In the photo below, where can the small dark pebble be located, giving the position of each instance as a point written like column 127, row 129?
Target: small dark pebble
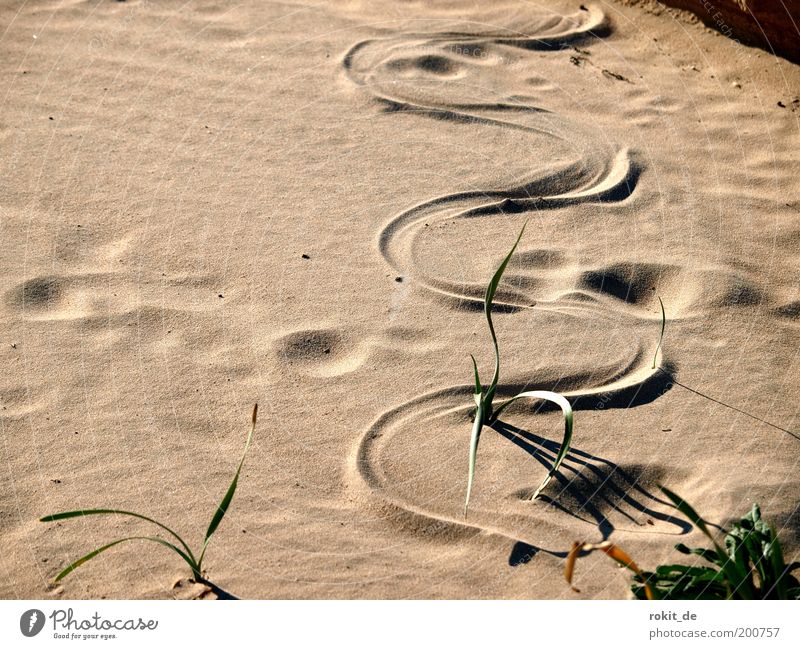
column 398, row 279
column 650, row 521
column 583, row 8
column 666, row 430
column 220, row 295
column 51, row 119
column 327, row 351
column 305, row 256
column 56, row 481
column 780, row 103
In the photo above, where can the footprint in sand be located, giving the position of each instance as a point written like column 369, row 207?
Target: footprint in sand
column 326, row 352
column 109, row 298
column 321, row 352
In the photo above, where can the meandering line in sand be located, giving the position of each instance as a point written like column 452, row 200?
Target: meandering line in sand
column 391, row 70
column 448, row 76
column 462, row 77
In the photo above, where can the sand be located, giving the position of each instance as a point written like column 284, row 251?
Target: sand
column 207, row 204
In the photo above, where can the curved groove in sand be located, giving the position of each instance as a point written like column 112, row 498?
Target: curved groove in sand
column 422, row 72
column 612, row 386
column 595, row 180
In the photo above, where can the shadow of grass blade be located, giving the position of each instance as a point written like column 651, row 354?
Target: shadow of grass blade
column 223, row 506
column 661, row 335
column 91, row 555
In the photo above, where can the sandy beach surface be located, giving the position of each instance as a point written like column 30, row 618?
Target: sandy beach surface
column 208, row 204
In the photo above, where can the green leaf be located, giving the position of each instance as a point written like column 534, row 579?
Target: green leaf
column 478, row 389
column 733, row 572
column 708, row 555
column 222, row 509
column 94, row 512
column 687, row 510
column 779, row 568
column 94, row 553
column 566, row 409
column 477, row 426
column 484, row 402
column 491, row 289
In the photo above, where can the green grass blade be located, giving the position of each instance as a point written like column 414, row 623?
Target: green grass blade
column 661, row 336
column 477, row 426
column 687, row 510
column 222, row 509
column 735, row 575
column 94, row 553
column 95, row 512
column 478, row 389
column 566, row 409
column 491, row 289
column 774, row 554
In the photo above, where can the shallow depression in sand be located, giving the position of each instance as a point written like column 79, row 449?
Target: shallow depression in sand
column 321, row 352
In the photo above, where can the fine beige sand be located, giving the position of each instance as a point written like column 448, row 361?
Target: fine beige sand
column 208, row 204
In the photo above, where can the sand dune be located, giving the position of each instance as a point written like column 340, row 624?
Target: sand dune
column 300, row 204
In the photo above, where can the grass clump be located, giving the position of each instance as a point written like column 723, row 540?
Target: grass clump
column 487, row 413
column 749, row 564
column 176, row 544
